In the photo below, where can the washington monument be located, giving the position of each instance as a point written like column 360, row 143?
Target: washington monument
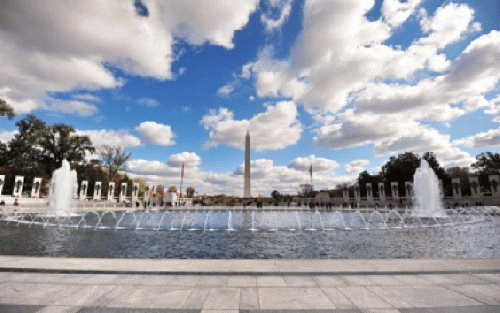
column 246, row 190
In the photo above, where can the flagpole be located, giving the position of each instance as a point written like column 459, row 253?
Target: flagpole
column 311, row 172
column 182, row 180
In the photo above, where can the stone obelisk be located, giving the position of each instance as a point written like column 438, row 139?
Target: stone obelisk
column 246, row 190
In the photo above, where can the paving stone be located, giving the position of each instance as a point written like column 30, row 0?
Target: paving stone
column 30, row 293
column 271, row 281
column 172, row 297
column 430, row 296
column 153, row 280
column 362, row 297
column 383, row 280
column 104, row 279
column 303, row 311
column 242, row 281
column 328, row 281
column 489, row 277
column 411, row 280
column 82, row 295
column 299, row 281
column 223, row 299
column 132, row 310
column 358, row 280
column 108, row 297
column 29, row 277
column 380, row 311
column 197, row 298
column 438, row 279
column 486, row 294
column 469, row 309
column 294, row 298
column 184, row 280
column 14, row 308
column 467, row 279
column 5, row 277
column 213, row 280
column 249, row 298
column 388, row 297
column 338, row 298
column 59, row 309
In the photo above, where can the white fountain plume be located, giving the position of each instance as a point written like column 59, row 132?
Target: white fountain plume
column 428, row 198
column 63, row 188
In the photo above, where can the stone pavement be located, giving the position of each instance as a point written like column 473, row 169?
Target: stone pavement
column 471, row 288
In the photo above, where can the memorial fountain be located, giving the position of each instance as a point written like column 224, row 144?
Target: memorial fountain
column 63, row 190
column 190, row 226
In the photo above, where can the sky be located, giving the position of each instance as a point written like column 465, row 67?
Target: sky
column 341, row 85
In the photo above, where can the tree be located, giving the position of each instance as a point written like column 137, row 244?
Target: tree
column 276, row 195
column 24, row 150
column 306, row 190
column 402, row 169
column 41, row 147
column 114, row 158
column 141, row 182
column 92, row 174
column 462, row 173
column 160, row 189
column 6, row 109
column 488, row 163
column 172, row 189
column 365, row 178
column 190, row 192
column 60, row 143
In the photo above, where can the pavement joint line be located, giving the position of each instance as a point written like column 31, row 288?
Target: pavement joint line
column 236, row 273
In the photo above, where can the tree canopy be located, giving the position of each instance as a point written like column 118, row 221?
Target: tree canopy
column 488, row 163
column 6, row 110
column 400, row 169
column 42, row 147
column 114, row 158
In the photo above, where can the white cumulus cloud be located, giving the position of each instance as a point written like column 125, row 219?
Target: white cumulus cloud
column 39, row 58
column 274, row 129
column 318, row 164
column 356, row 166
column 489, row 138
column 115, row 138
column 148, row 102
column 189, row 159
column 156, row 133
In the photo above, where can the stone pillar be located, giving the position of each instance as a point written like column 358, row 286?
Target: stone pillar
column 111, row 191
column 409, row 190
column 97, row 191
column 381, row 191
column 18, row 186
column 455, row 184
column 345, row 195
column 369, row 192
column 123, row 192
column 135, row 192
column 494, row 183
column 146, row 195
column 2, row 183
column 357, row 197
column 394, row 191
column 475, row 189
column 35, row 190
column 83, row 190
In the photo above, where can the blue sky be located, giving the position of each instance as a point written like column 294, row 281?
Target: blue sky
column 342, row 85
